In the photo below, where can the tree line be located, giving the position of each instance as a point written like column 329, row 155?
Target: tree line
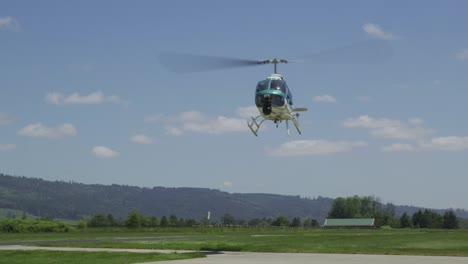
column 384, row 214
column 136, row 220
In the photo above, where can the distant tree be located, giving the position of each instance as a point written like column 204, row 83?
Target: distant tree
column 354, row 207
column 450, row 220
column 134, row 220
column 228, row 219
column 307, row 223
column 432, row 219
column 427, row 219
column 24, row 216
column 153, row 221
column 98, row 220
column 191, row 222
column 172, row 220
column 405, row 221
column 82, row 225
column 164, row 221
column 255, row 222
column 111, row 220
column 338, row 209
column 296, row 222
column 417, row 218
column 314, row 223
column 181, row 222
column 280, row 221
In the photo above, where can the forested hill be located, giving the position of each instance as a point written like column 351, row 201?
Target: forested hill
column 70, row 200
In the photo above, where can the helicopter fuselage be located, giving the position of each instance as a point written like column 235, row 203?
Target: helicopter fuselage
column 273, row 98
column 274, row 102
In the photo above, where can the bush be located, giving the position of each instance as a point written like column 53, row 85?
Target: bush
column 82, row 225
column 32, row 226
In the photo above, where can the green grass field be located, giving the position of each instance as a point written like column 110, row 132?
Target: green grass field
column 51, row 257
column 396, row 241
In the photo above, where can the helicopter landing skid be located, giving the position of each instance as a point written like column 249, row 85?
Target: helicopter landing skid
column 254, row 125
column 296, row 124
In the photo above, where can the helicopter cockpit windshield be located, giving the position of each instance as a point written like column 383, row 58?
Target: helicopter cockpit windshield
column 278, row 85
column 275, row 85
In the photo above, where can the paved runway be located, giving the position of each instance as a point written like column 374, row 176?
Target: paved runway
column 301, row 258
column 272, row 258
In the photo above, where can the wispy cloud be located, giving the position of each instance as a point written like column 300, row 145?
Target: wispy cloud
column 227, row 184
column 142, row 139
column 5, row 147
column 39, row 130
column 313, row 147
column 376, row 31
column 248, row 111
column 10, row 24
column 97, row 97
column 104, row 152
column 5, row 118
column 201, row 123
column 462, row 54
column 399, row 147
column 393, row 129
column 324, row 98
column 450, row 143
column 421, row 138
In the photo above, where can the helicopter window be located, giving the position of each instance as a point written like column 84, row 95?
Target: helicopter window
column 278, row 85
column 277, row 100
column 262, row 85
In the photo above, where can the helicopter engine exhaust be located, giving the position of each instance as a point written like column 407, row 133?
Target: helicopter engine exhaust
column 266, row 102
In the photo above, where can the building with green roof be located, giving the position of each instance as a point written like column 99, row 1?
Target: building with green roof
column 349, row 223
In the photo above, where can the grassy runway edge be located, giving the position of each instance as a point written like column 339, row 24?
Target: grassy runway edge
column 394, row 242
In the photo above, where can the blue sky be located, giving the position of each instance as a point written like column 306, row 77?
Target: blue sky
column 83, row 97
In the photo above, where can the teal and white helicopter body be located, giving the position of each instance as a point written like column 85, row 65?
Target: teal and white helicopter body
column 274, row 101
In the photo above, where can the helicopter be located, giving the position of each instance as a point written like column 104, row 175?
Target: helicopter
column 273, row 98
column 274, row 101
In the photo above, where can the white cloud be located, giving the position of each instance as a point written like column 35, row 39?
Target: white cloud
column 387, row 128
column 462, row 54
column 218, row 125
column 227, row 184
column 5, row 147
column 104, row 152
column 450, row 143
column 9, row 23
column 377, row 32
column 142, row 139
column 325, row 98
column 313, row 147
column 398, row 147
column 248, row 111
column 173, row 131
column 5, row 118
column 39, row 130
column 198, row 122
column 416, row 121
column 97, row 97
column 154, row 118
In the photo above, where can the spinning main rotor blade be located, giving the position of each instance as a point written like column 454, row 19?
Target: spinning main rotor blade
column 186, row 63
column 364, row 52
